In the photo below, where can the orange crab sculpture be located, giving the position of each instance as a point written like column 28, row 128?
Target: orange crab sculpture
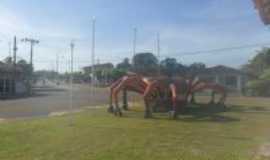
column 177, row 90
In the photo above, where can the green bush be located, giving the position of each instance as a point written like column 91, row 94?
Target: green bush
column 259, row 87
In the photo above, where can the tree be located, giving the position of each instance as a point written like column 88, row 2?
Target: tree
column 259, row 68
column 116, row 74
column 196, row 68
column 145, row 64
column 261, row 86
column 259, row 63
column 182, row 69
column 125, row 65
column 26, row 68
column 8, row 60
column 266, row 74
column 169, row 66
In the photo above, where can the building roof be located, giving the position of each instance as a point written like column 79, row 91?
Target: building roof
column 99, row 66
column 220, row 69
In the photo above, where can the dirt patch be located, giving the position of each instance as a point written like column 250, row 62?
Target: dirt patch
column 52, row 114
column 94, row 107
column 57, row 114
column 63, row 113
column 263, row 152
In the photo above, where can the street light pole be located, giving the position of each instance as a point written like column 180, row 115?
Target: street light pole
column 93, row 78
column 72, row 45
column 125, row 94
column 134, row 41
column 15, row 48
column 158, row 52
column 57, row 69
column 9, row 49
column 15, row 52
column 158, row 46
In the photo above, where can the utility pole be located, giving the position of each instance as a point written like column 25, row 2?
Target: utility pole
column 9, row 49
column 134, row 41
column 57, row 68
column 158, row 46
column 32, row 43
column 93, row 78
column 72, row 45
column 15, row 52
column 57, row 63
column 14, row 64
column 158, row 52
column 125, row 94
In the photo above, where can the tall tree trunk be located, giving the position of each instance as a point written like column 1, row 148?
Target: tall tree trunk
column 125, row 102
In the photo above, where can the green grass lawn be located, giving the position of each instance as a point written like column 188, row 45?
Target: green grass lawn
column 204, row 133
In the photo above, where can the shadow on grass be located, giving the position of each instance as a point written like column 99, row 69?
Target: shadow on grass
column 197, row 113
column 245, row 109
column 203, row 112
column 215, row 113
column 207, row 113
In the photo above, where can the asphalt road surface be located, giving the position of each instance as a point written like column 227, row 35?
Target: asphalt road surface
column 49, row 99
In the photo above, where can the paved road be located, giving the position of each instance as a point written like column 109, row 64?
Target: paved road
column 48, row 99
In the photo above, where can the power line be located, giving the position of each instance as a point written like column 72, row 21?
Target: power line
column 181, row 53
column 225, row 49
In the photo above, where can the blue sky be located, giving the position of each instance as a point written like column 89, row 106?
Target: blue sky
column 184, row 26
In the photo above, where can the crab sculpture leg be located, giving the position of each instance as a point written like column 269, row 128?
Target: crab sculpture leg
column 152, row 92
column 129, row 83
column 148, row 96
column 179, row 98
column 112, row 87
column 216, row 88
column 179, row 88
column 192, row 83
column 125, row 101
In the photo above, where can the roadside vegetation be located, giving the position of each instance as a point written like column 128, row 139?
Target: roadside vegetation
column 259, row 68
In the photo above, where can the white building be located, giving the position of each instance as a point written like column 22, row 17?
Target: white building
column 233, row 79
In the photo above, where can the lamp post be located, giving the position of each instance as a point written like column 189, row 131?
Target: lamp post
column 72, row 45
column 93, row 78
column 134, row 41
